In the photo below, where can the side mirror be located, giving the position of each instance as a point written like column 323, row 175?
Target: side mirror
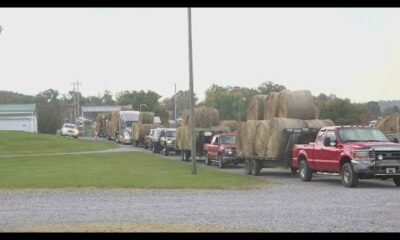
column 327, row 142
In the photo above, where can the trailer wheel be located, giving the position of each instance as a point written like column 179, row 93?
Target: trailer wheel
column 186, row 156
column 247, row 169
column 305, row 172
column 166, row 153
column 349, row 177
column 255, row 166
column 207, row 161
column 182, row 156
column 146, row 146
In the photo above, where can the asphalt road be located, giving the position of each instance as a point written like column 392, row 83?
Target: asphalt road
column 322, row 205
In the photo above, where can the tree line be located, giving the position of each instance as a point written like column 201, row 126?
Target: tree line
column 231, row 102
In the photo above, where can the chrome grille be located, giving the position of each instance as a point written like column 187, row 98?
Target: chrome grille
column 388, row 155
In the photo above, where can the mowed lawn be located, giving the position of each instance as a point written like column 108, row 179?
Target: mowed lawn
column 14, row 142
column 116, row 170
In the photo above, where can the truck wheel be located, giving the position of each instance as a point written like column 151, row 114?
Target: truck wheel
column 349, row 177
column 255, row 166
column 154, row 148
column 396, row 181
column 305, row 172
column 186, row 156
column 293, row 170
column 182, row 156
column 220, row 161
column 146, row 146
column 207, row 160
column 166, row 153
column 247, row 169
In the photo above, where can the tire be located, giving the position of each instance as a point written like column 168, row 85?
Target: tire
column 182, row 157
column 166, row 153
column 247, row 169
column 396, row 181
column 293, row 170
column 255, row 167
column 207, row 160
column 305, row 172
column 146, row 146
column 136, row 143
column 154, row 148
column 349, row 177
column 186, row 156
column 220, row 161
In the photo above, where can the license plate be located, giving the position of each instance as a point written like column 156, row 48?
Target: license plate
column 390, row 170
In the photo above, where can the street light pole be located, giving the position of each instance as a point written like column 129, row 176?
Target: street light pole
column 192, row 122
column 175, row 103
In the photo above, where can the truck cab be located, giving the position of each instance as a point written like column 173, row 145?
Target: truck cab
column 126, row 121
column 356, row 152
column 222, row 149
column 167, row 140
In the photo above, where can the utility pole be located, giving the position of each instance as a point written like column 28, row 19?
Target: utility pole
column 192, row 122
column 74, row 104
column 175, row 103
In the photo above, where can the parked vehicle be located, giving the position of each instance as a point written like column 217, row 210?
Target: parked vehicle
column 70, row 129
column 355, row 152
column 155, row 146
column 222, row 149
column 126, row 120
column 148, row 139
column 167, row 140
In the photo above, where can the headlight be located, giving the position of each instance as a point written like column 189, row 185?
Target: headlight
column 228, row 150
column 361, row 155
column 126, row 135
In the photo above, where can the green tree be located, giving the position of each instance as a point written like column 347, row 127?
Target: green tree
column 48, row 109
column 341, row 112
column 267, row 87
column 136, row 98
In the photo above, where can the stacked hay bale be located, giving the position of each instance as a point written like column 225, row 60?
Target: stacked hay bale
column 271, row 105
column 146, row 117
column 296, row 104
column 143, row 126
column 205, row 119
column 268, row 115
column 388, row 124
column 255, row 109
column 231, row 124
column 263, row 130
column 114, row 123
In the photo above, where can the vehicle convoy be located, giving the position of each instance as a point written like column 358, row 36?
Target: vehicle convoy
column 126, row 120
column 222, row 149
column 355, row 152
column 70, row 129
column 167, row 140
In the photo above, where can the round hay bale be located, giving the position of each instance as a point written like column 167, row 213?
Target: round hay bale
column 204, row 117
column 140, row 130
column 261, row 141
column 146, row 117
column 249, row 136
column 255, row 110
column 239, row 138
column 233, row 125
column 388, row 124
column 221, row 128
column 271, row 105
column 318, row 123
column 296, row 104
column 275, row 148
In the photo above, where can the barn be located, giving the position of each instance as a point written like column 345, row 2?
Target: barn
column 20, row 117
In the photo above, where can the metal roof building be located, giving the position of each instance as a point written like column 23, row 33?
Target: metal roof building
column 21, row 117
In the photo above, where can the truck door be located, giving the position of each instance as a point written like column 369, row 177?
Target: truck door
column 331, row 153
column 213, row 151
column 317, row 154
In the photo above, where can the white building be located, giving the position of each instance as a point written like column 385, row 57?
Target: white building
column 20, row 117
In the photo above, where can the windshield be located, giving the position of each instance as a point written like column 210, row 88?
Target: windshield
column 70, row 126
column 228, row 139
column 128, row 124
column 361, row 135
column 170, row 133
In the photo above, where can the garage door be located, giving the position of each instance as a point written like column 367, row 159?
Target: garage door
column 15, row 124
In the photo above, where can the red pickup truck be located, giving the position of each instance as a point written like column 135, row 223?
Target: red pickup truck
column 353, row 151
column 221, row 149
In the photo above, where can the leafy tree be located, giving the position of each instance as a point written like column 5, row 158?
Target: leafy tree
column 7, row 97
column 268, row 87
column 136, row 98
column 182, row 103
column 390, row 111
column 340, row 111
column 48, row 111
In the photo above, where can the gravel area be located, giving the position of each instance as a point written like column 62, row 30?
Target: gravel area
column 322, row 205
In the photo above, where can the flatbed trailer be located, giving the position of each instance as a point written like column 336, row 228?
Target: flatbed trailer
column 291, row 136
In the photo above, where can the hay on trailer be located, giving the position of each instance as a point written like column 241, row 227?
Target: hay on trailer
column 275, row 145
column 296, row 104
column 388, row 124
column 239, row 138
column 204, row 117
column 114, row 123
column 146, row 117
column 221, row 129
column 318, row 123
column 140, row 130
column 233, row 125
column 255, row 110
column 261, row 140
column 249, row 136
column 271, row 105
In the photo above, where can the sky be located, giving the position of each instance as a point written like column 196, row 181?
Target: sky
column 350, row 52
